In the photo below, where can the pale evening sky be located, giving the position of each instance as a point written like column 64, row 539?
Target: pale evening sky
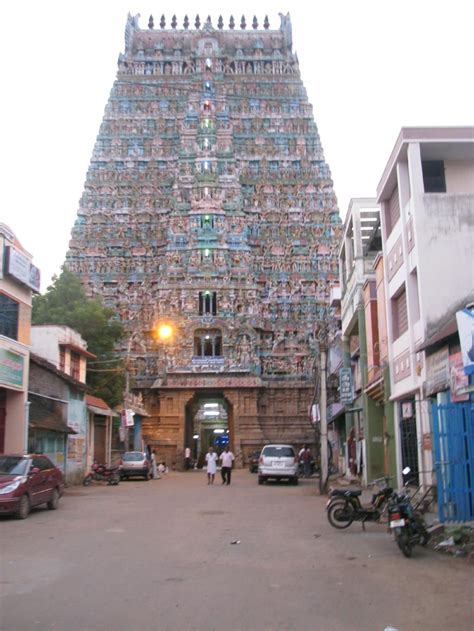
column 370, row 67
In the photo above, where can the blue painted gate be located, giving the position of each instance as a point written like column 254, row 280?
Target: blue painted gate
column 453, row 434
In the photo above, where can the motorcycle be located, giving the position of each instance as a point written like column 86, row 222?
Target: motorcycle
column 301, row 468
column 407, row 524
column 102, row 473
column 344, row 505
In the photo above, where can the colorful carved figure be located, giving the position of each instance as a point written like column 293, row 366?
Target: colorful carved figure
column 210, row 177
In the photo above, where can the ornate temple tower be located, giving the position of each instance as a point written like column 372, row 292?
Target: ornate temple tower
column 208, row 206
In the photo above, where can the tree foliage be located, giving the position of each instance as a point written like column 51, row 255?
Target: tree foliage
column 66, row 303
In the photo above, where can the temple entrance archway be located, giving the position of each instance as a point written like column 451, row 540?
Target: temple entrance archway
column 208, row 422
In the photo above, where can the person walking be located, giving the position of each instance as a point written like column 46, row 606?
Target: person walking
column 306, row 457
column 154, row 466
column 187, row 458
column 211, row 459
column 227, row 461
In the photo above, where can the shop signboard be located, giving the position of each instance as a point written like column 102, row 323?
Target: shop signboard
column 345, row 386
column 458, row 380
column 11, row 368
column 437, row 372
column 465, row 322
column 20, row 267
column 126, row 417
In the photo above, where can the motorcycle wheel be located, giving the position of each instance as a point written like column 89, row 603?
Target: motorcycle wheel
column 340, row 514
column 87, row 480
column 403, row 542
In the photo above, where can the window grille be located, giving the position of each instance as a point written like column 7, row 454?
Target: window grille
column 400, row 314
column 207, row 302
column 9, row 314
column 208, row 343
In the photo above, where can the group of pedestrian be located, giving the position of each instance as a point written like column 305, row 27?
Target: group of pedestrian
column 157, row 468
column 227, row 462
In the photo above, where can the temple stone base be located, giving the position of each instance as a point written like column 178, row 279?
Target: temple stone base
column 258, row 413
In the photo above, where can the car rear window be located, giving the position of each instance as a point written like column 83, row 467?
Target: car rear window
column 278, row 452
column 133, row 457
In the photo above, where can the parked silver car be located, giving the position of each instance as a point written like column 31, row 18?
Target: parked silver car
column 135, row 463
column 278, row 462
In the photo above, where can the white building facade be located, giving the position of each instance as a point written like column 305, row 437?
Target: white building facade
column 426, row 195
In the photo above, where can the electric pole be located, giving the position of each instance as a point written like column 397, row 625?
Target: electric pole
column 323, row 473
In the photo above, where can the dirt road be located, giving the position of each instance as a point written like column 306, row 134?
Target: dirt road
column 158, row 555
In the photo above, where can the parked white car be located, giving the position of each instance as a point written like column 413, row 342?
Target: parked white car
column 278, row 462
column 135, row 463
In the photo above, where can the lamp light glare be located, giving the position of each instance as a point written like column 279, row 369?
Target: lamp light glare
column 165, row 331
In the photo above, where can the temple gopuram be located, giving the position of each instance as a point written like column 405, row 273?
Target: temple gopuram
column 209, row 211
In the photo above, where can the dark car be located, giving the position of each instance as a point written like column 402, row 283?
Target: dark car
column 135, row 463
column 253, row 461
column 27, row 481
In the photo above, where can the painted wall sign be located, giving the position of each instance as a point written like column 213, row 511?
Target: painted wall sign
column 407, row 409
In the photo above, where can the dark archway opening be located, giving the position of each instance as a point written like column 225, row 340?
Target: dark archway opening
column 208, row 423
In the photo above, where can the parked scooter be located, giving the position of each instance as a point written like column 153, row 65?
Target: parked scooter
column 407, row 524
column 344, row 506
column 102, row 473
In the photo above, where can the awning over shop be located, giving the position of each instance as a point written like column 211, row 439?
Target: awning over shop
column 335, row 410
column 98, row 406
column 449, row 328
column 77, row 349
column 376, row 389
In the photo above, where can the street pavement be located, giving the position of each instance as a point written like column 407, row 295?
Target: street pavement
column 160, row 556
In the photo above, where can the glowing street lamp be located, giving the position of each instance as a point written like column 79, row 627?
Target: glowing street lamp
column 165, row 332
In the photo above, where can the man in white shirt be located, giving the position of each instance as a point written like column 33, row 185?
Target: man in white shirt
column 227, row 461
column 211, row 459
column 187, row 458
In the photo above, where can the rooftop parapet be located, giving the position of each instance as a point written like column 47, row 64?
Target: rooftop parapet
column 137, row 38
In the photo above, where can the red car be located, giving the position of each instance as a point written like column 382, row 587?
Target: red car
column 27, row 481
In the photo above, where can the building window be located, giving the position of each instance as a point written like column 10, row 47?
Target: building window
column 254, row 167
column 208, row 343
column 414, row 296
column 9, row 312
column 207, row 222
column 434, row 180
column 206, row 256
column 62, row 359
column 207, row 302
column 392, row 213
column 273, row 166
column 399, row 314
column 75, row 366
